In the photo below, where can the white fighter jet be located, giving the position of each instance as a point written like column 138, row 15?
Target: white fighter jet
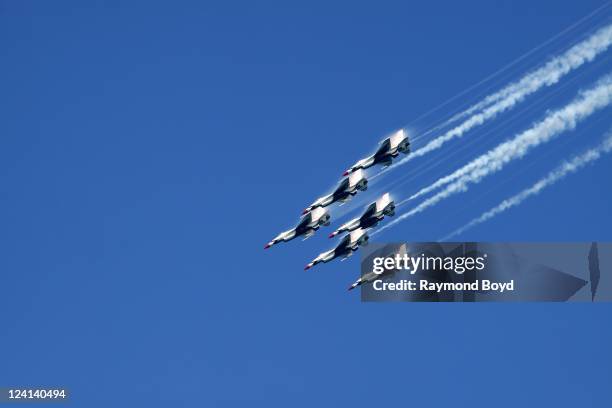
column 349, row 244
column 347, row 188
column 389, row 148
column 371, row 276
column 307, row 226
column 374, row 213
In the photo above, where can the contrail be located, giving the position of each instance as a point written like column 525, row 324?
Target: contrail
column 496, row 159
column 506, row 98
column 550, row 73
column 492, row 98
column 566, row 168
column 556, row 122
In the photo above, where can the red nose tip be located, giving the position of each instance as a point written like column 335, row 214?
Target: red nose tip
column 267, row 246
column 305, row 211
column 333, row 234
column 308, row 267
column 345, row 173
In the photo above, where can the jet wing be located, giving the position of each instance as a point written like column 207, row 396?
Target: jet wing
column 384, row 148
column 303, row 224
column 343, row 245
column 369, row 212
column 342, row 187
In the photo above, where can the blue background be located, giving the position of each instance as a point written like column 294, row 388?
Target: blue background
column 150, row 149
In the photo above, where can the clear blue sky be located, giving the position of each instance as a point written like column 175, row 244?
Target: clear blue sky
column 150, row 149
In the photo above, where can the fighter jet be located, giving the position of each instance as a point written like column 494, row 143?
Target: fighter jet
column 349, row 244
column 389, row 148
column 346, row 189
column 307, row 226
column 374, row 213
column 371, row 276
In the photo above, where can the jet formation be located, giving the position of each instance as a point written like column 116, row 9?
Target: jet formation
column 354, row 180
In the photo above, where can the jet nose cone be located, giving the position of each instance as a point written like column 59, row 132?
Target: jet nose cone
column 305, row 211
column 351, row 287
column 267, row 246
column 307, row 267
column 333, row 234
column 346, row 173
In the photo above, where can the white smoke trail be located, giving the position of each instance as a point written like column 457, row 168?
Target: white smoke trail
column 541, row 132
column 550, row 73
column 551, row 178
column 498, row 102
column 496, row 96
column 496, row 159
